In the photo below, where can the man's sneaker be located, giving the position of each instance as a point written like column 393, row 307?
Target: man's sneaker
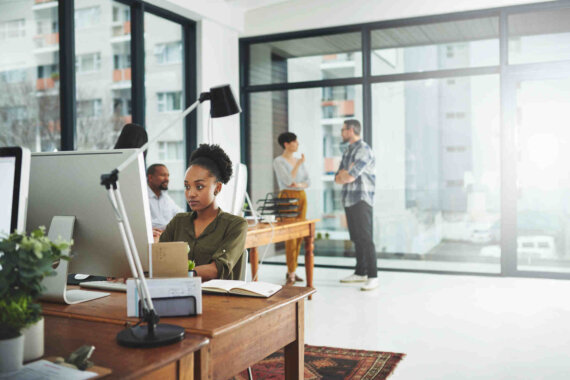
column 354, row 278
column 371, row 284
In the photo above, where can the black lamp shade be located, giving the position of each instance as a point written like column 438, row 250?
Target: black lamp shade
column 223, row 102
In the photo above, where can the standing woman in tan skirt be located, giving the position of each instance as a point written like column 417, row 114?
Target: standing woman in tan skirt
column 293, row 178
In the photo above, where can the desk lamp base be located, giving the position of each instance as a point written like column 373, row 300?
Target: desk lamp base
column 141, row 336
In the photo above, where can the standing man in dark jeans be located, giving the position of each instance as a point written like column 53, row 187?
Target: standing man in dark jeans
column 356, row 175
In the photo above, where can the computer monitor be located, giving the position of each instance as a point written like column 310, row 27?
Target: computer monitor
column 15, row 175
column 68, row 184
column 232, row 196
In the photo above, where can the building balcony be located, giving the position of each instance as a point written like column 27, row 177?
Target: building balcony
column 46, row 40
column 121, row 28
column 54, row 126
column 343, row 107
column 44, row 84
column 127, row 119
column 122, row 75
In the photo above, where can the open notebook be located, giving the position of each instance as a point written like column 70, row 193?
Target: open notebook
column 242, row 288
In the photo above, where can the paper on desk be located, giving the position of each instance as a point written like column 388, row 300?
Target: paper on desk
column 45, row 370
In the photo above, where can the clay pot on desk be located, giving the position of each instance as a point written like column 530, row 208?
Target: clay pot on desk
column 34, row 341
column 11, row 354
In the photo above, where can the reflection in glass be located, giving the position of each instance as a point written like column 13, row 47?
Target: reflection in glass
column 29, row 75
column 437, row 46
column 539, row 36
column 437, row 167
column 304, row 59
column 316, row 116
column 103, row 88
column 543, row 207
column 165, row 99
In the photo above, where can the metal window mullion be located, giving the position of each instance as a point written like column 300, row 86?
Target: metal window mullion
column 366, row 87
column 190, row 86
column 137, row 63
column 67, row 78
column 508, row 158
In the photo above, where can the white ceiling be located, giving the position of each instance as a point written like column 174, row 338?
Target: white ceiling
column 253, row 4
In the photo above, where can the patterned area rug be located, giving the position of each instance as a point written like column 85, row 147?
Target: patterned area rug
column 331, row 364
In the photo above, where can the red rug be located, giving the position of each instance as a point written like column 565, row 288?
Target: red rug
column 330, row 363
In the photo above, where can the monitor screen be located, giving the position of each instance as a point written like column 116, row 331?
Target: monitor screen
column 68, row 184
column 7, row 173
column 14, row 172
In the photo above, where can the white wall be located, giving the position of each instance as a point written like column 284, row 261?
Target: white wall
column 304, row 14
column 218, row 63
column 218, row 28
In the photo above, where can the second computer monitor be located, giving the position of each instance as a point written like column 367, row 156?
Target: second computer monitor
column 68, row 184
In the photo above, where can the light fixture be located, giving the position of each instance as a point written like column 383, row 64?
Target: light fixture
column 153, row 334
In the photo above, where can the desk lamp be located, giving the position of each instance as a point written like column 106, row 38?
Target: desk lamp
column 153, row 334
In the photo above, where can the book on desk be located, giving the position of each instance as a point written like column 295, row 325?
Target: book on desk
column 241, row 288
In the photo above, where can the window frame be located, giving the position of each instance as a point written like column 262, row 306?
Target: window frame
column 506, row 74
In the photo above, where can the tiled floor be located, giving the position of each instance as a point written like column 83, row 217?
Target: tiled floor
column 450, row 327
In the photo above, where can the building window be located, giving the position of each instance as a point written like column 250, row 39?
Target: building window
column 47, row 71
column 168, row 52
column 11, row 115
column 87, row 17
column 169, row 101
column 13, row 76
column 90, row 108
column 88, row 63
column 121, row 61
column 453, row 149
column 12, row 29
column 121, row 13
column 170, row 151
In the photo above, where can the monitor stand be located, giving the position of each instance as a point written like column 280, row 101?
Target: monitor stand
column 61, row 227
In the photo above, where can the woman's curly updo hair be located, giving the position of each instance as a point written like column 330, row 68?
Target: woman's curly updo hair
column 214, row 159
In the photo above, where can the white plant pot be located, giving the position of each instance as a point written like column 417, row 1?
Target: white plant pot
column 34, row 341
column 11, row 354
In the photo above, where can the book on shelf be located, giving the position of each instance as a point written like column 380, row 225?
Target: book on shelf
column 241, row 288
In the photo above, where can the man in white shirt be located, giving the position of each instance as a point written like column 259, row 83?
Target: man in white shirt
column 162, row 207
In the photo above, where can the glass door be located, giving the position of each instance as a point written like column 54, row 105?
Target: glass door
column 542, row 142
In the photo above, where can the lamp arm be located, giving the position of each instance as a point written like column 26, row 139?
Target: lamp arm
column 167, row 127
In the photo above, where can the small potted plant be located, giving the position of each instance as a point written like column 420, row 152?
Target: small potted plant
column 24, row 262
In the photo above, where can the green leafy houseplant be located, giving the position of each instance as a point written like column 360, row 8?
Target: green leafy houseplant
column 24, row 262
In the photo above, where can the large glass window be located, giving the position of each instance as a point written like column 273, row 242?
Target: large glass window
column 539, row 36
column 318, row 132
column 29, row 75
column 436, row 143
column 165, row 98
column 543, row 207
column 436, row 46
column 304, row 59
column 103, row 87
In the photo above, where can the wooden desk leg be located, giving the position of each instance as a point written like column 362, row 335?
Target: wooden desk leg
column 186, row 367
column 202, row 362
column 309, row 256
column 295, row 351
column 254, row 259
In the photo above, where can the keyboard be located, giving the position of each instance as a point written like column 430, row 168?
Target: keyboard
column 76, row 296
column 105, row 285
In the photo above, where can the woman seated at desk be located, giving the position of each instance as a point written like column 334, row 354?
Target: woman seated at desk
column 216, row 238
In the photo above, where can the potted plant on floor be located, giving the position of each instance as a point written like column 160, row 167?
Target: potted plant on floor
column 24, row 261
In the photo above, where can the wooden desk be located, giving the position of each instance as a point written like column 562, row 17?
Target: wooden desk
column 242, row 330
column 176, row 361
column 262, row 234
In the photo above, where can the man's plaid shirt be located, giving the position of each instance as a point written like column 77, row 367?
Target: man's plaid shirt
column 362, row 189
